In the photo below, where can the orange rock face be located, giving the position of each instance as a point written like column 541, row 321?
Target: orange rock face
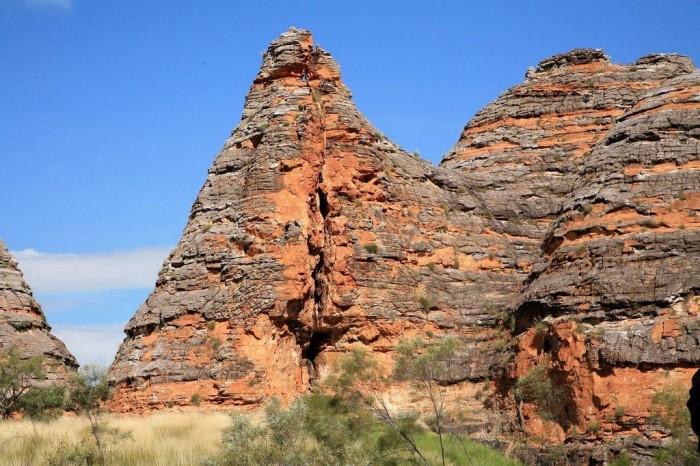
column 560, row 230
column 313, row 233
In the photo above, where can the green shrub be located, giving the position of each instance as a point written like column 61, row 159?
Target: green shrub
column 89, row 391
column 16, row 378
column 537, row 387
column 541, row 327
column 592, row 427
column 371, row 248
column 425, row 302
column 342, row 422
column 43, row 403
column 22, row 326
column 619, row 412
column 622, row 460
column 195, row 399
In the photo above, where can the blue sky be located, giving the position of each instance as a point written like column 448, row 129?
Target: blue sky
column 113, row 111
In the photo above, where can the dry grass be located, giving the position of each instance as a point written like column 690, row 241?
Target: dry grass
column 168, row 439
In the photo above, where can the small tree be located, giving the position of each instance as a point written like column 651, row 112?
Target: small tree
column 16, row 377
column 425, row 365
column 89, row 392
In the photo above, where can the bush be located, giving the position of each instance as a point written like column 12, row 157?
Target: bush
column 44, row 403
column 622, row 460
column 17, row 375
column 372, row 248
column 536, row 387
column 425, row 303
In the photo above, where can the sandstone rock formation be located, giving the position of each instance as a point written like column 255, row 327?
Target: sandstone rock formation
column 559, row 231
column 313, row 232
column 23, row 324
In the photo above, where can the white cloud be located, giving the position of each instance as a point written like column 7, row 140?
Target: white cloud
column 62, row 4
column 52, row 273
column 91, row 343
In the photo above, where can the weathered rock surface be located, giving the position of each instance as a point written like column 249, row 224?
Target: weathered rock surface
column 23, row 325
column 560, row 230
column 312, row 233
column 619, row 268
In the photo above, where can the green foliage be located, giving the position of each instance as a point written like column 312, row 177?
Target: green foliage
column 622, row 460
column 344, row 421
column 371, row 248
column 421, row 362
column 669, row 406
column 538, row 388
column 195, row 399
column 89, row 392
column 22, row 326
column 541, row 327
column 619, row 412
column 88, row 451
column 44, row 403
column 16, row 378
column 425, row 302
column 211, row 325
column 592, row 427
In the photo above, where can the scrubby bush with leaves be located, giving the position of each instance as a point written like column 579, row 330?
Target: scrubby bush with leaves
column 18, row 390
column 88, row 393
column 538, row 388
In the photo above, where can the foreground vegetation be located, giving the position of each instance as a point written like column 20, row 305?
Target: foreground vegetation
column 159, row 440
column 345, row 420
column 171, row 439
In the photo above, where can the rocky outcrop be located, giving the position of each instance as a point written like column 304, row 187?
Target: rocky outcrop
column 618, row 277
column 559, row 231
column 312, row 233
column 23, row 325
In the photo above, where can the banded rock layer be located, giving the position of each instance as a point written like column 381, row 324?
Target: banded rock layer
column 312, row 233
column 560, row 230
column 23, row 325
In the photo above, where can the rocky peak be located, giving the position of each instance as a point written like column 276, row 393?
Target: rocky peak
column 23, row 325
column 574, row 57
column 312, row 233
column 680, row 64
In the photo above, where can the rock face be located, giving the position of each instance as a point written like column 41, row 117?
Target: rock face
column 559, row 231
column 23, row 324
column 312, row 233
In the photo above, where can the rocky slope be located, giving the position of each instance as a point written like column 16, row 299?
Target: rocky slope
column 559, row 232
column 23, row 324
